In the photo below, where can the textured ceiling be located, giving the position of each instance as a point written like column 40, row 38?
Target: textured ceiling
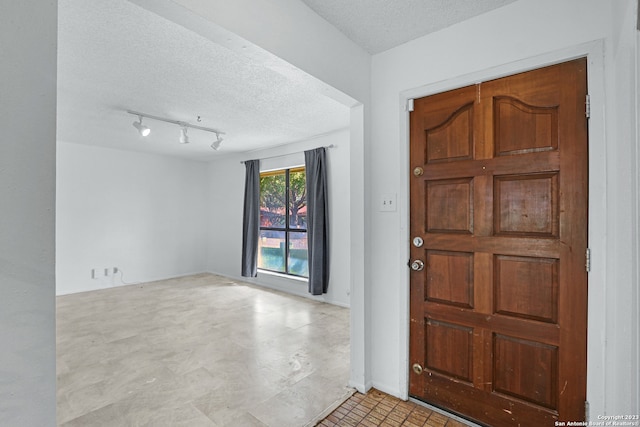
column 114, row 56
column 378, row 25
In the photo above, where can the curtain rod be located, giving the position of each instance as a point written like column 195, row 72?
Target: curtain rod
column 288, row 154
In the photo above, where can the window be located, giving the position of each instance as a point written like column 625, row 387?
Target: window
column 283, row 222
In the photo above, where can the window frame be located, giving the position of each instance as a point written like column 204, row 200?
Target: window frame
column 287, row 229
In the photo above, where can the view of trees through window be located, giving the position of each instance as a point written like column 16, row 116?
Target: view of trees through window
column 283, row 222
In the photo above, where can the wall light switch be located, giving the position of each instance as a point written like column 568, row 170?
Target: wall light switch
column 387, row 202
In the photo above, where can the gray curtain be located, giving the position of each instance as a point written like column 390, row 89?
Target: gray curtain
column 317, row 220
column 251, row 219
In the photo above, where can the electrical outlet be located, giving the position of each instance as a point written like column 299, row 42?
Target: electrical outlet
column 106, row 271
column 387, row 202
column 94, row 274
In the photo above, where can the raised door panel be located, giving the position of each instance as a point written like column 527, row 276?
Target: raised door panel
column 521, row 128
column 526, row 370
column 526, row 205
column 449, row 349
column 452, row 139
column 453, row 211
column 526, row 287
column 449, row 278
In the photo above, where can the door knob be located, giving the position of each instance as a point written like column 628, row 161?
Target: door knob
column 417, row 368
column 417, row 265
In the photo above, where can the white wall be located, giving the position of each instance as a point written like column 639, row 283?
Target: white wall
column 621, row 392
column 524, row 34
column 145, row 214
column 27, row 208
column 636, row 246
column 226, row 203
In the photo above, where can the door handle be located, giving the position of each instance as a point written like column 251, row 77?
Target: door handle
column 417, row 265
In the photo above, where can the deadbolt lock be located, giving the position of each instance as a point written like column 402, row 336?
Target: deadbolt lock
column 418, row 171
column 417, row 265
column 417, row 368
column 418, row 242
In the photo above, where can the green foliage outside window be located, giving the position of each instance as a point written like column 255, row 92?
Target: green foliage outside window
column 283, row 222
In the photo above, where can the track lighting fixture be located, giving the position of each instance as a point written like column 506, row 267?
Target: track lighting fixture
column 217, row 142
column 184, row 138
column 144, row 130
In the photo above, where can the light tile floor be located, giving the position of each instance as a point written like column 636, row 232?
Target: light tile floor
column 196, row 351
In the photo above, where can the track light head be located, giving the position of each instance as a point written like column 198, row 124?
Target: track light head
column 144, row 130
column 184, row 138
column 217, row 142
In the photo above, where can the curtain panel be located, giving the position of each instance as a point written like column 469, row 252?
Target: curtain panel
column 317, row 220
column 251, row 219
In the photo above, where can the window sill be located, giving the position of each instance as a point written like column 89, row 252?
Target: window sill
column 284, row 276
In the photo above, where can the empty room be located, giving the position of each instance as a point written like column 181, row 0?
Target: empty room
column 160, row 319
column 291, row 212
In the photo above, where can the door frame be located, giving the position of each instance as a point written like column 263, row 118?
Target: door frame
column 594, row 52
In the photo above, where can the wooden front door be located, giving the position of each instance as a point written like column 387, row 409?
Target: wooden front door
column 499, row 222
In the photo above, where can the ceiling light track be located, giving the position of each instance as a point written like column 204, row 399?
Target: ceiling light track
column 184, row 139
